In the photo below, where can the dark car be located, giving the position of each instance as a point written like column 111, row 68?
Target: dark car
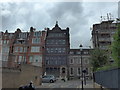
column 27, row 87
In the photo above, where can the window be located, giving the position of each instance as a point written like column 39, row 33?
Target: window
column 63, row 41
column 56, row 62
column 21, row 49
column 71, row 71
column 55, row 50
column 87, row 71
column 51, row 35
column 25, row 49
column 5, row 58
column 0, row 50
column 35, row 49
column 71, row 61
column 22, row 35
column 35, row 58
column 78, row 52
column 37, row 34
column 31, row 59
column 0, row 41
column 78, row 71
column 86, row 61
column 35, row 40
column 16, row 49
column 24, row 59
column 47, row 41
column 85, row 52
column 79, row 61
column 63, row 70
column 47, row 62
column 48, row 50
column 56, row 34
column 20, row 59
column 5, row 49
column 5, row 41
column 71, row 52
column 63, row 50
column 16, row 58
column 11, row 35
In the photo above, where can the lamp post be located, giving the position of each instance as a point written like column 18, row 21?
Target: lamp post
column 81, row 64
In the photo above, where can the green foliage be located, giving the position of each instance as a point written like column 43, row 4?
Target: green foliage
column 99, row 58
column 107, row 67
column 116, row 47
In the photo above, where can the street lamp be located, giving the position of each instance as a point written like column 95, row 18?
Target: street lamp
column 81, row 64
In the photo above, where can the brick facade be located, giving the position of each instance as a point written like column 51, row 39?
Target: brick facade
column 23, row 47
column 49, row 49
column 56, row 49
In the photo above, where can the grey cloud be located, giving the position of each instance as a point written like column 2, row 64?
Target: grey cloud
column 119, row 9
column 62, row 8
column 78, row 16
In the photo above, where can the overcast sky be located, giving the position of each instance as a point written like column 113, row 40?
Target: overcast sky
column 78, row 16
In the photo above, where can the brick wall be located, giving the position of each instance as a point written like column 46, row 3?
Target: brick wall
column 13, row 78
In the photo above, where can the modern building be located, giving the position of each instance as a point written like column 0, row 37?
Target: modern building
column 56, row 49
column 74, row 63
column 119, row 9
column 0, row 49
column 102, row 34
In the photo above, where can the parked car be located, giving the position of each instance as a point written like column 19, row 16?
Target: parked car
column 49, row 78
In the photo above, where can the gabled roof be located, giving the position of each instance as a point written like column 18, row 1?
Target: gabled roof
column 56, row 26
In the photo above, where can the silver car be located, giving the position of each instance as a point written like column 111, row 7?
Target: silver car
column 49, row 78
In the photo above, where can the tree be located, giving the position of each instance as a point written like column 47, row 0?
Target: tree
column 98, row 58
column 116, row 47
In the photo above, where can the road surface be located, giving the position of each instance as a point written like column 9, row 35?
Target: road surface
column 68, row 84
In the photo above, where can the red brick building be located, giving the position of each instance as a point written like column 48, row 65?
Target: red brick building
column 6, row 42
column 23, row 47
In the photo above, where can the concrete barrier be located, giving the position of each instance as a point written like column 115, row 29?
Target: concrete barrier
column 14, row 78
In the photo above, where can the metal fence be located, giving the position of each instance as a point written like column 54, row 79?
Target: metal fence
column 109, row 78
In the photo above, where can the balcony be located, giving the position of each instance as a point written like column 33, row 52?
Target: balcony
column 104, row 39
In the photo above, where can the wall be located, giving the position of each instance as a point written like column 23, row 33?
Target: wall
column 108, row 78
column 0, row 78
column 13, row 78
